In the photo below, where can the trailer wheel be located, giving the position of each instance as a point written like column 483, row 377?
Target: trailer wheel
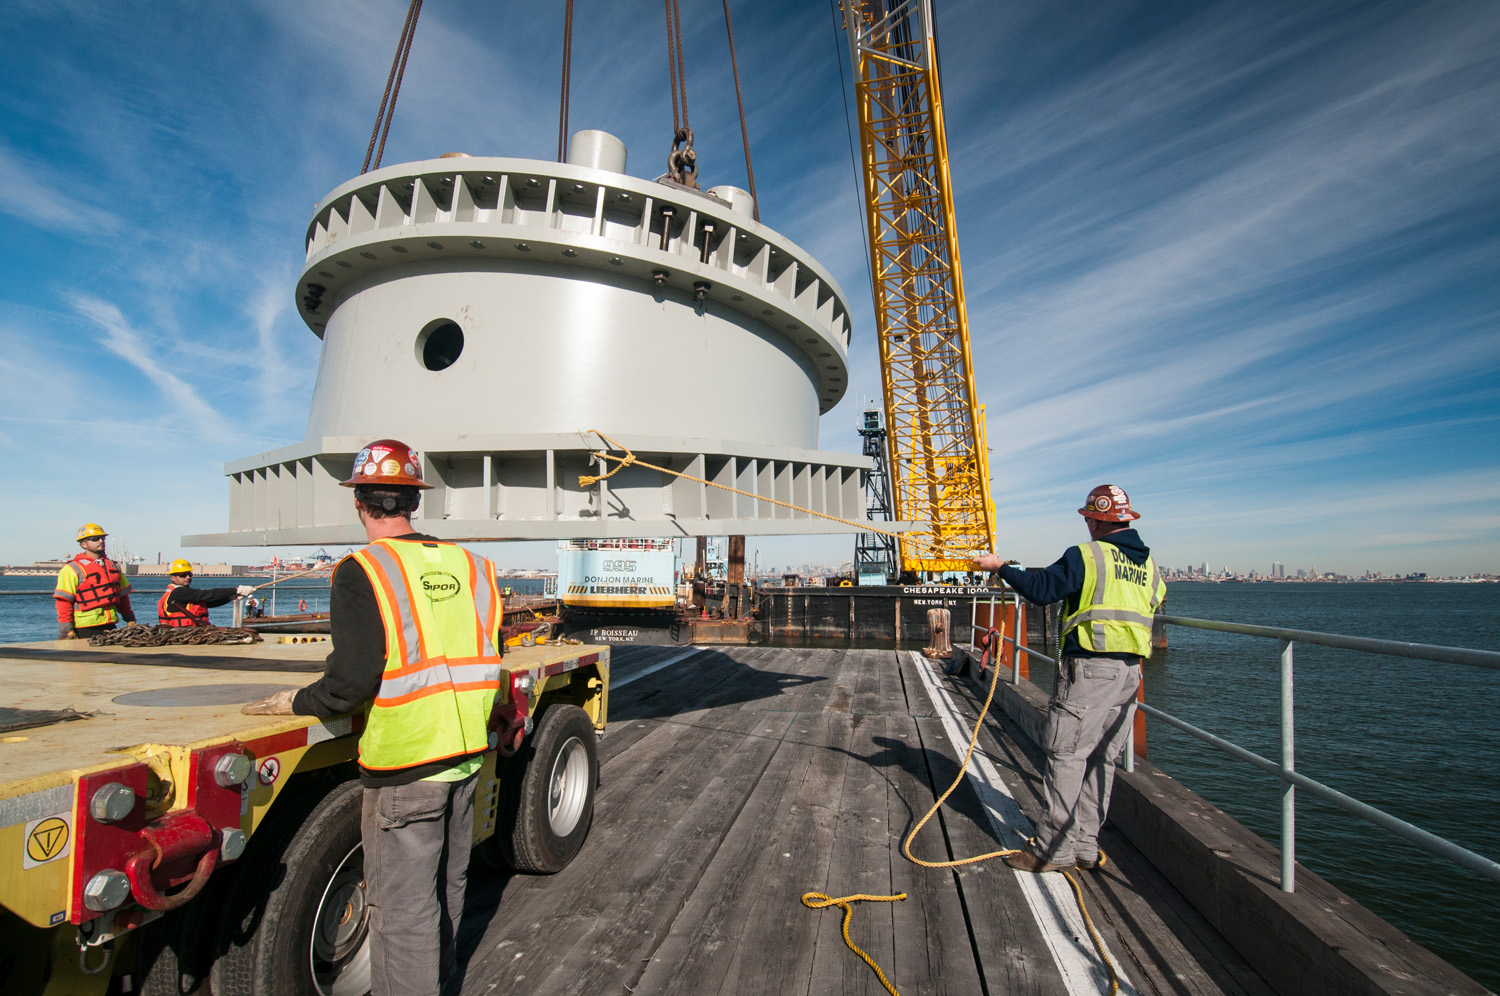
column 296, row 923
column 547, row 793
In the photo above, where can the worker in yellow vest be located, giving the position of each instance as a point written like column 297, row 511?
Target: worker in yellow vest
column 92, row 591
column 1111, row 588
column 416, row 640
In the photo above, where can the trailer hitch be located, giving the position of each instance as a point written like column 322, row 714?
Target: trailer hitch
column 177, row 837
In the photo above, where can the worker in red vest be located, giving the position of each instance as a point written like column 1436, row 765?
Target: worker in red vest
column 92, row 591
column 182, row 605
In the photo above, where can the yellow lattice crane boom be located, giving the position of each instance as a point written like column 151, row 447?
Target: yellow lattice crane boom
column 939, row 463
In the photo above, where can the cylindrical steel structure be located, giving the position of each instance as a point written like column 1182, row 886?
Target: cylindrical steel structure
column 491, row 312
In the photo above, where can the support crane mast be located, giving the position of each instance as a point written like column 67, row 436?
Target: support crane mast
column 938, row 459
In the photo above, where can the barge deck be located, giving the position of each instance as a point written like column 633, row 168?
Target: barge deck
column 735, row 780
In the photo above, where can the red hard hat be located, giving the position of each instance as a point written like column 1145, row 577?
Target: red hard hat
column 1108, row 503
column 387, row 463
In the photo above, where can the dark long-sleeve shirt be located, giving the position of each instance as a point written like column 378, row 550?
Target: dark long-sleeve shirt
column 206, row 597
column 352, row 671
column 1062, row 581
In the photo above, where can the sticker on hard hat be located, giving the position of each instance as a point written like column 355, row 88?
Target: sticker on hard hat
column 439, row 586
column 1102, row 503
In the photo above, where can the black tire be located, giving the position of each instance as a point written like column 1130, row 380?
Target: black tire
column 547, row 793
column 294, row 923
column 177, row 951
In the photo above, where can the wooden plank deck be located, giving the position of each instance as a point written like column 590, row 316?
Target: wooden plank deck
column 735, row 780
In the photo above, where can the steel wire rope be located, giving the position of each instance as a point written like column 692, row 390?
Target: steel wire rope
column 392, row 87
column 567, row 84
column 675, row 26
column 838, row 57
column 739, row 98
column 677, row 116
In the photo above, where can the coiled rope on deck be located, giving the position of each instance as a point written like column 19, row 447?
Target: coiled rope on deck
column 819, row 900
column 631, row 460
column 1114, row 978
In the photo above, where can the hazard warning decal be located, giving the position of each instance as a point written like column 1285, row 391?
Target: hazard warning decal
column 48, row 839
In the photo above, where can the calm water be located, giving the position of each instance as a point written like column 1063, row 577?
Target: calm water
column 1419, row 740
column 25, row 617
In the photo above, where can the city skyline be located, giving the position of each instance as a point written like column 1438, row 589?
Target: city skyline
column 1239, row 261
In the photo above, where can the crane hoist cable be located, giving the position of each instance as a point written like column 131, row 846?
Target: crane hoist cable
column 567, row 84
column 676, row 68
column 739, row 98
column 392, row 88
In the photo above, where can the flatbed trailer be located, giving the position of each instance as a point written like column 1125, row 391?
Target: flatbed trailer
column 154, row 839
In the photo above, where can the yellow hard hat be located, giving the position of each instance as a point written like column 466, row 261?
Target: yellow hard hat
column 180, row 566
column 88, row 530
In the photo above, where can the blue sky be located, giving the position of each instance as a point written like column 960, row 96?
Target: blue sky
column 1242, row 260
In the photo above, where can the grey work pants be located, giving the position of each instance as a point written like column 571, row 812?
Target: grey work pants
column 417, row 839
column 1088, row 723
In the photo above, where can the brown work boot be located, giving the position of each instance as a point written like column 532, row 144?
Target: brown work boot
column 1027, row 861
column 1096, row 864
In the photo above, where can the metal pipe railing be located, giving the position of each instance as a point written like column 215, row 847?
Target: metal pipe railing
column 1285, row 770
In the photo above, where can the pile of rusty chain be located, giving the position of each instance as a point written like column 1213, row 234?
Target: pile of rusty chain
column 163, row 636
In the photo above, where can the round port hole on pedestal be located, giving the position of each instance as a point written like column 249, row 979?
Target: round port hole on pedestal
column 439, row 344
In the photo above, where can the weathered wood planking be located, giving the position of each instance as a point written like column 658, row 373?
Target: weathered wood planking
column 736, row 780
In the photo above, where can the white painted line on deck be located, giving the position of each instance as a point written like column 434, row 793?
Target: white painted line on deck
column 617, row 683
column 1050, row 897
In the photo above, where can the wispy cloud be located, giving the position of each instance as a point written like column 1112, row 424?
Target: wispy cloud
column 42, row 196
column 131, row 346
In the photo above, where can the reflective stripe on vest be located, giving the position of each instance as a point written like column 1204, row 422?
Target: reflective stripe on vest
column 191, row 614
column 1117, row 603
column 441, row 612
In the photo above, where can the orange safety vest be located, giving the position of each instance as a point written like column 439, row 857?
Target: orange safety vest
column 98, row 583
column 442, row 615
column 191, row 615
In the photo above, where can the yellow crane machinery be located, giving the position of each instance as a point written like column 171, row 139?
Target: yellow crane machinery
column 939, row 464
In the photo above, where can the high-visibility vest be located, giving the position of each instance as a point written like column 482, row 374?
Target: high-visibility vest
column 96, row 589
column 442, row 617
column 191, row 615
column 1118, row 600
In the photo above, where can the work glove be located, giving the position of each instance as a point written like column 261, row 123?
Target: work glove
column 245, row 590
column 132, row 624
column 65, row 632
column 275, row 704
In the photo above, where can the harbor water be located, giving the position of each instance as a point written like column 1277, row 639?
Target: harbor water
column 1420, row 740
column 27, row 609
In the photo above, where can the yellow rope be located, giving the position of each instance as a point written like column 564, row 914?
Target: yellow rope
column 1114, row 978
column 631, row 460
column 818, row 901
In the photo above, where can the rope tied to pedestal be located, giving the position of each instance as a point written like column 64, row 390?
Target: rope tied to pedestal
column 631, row 460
